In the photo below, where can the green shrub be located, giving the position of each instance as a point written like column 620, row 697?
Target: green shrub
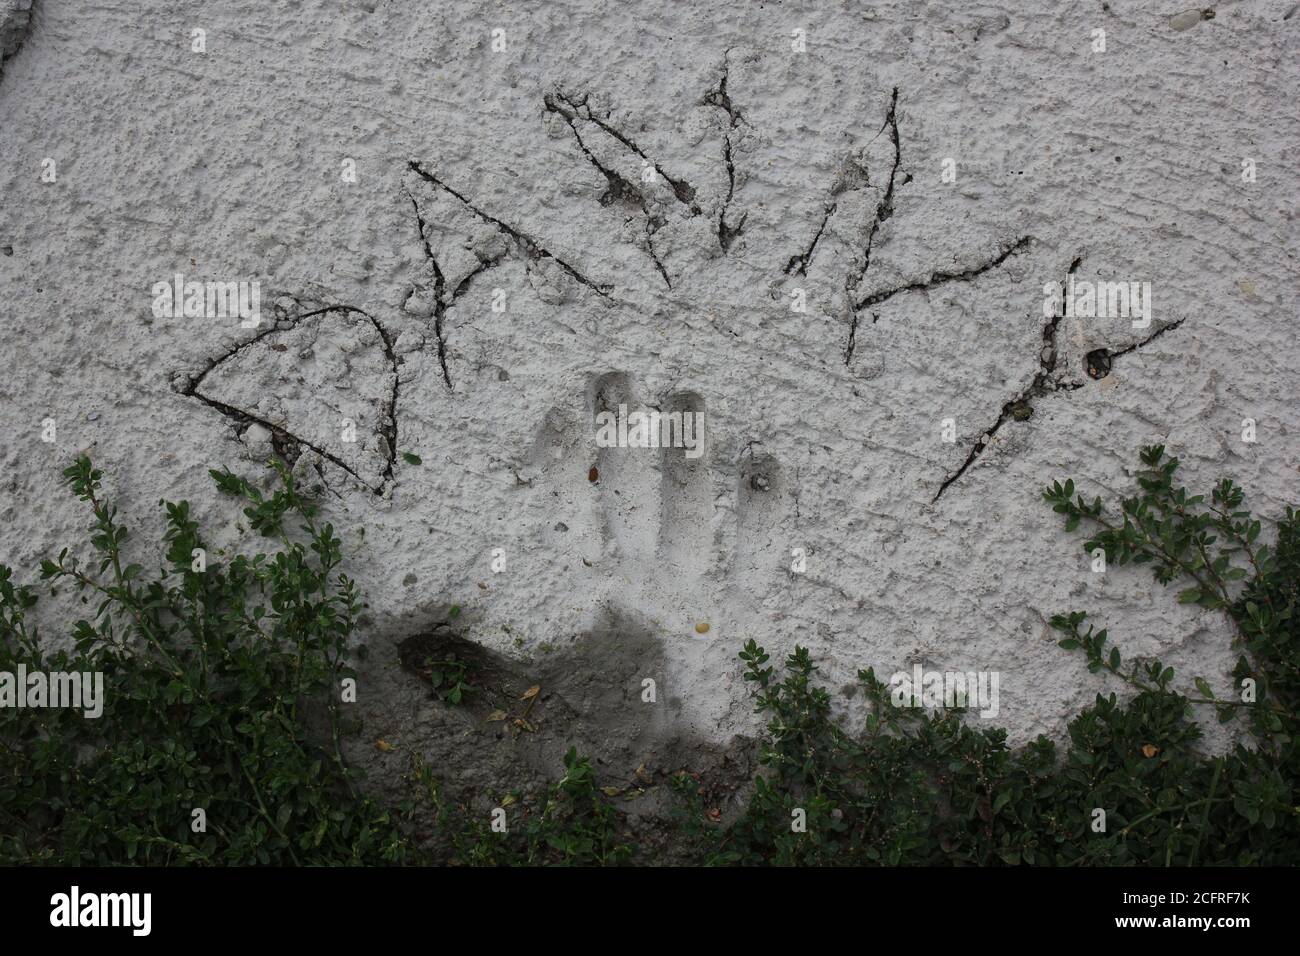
column 927, row 788
column 210, row 676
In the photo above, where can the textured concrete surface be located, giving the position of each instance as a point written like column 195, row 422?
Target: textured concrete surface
column 745, row 210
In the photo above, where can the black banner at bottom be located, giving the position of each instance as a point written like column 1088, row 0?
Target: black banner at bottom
column 335, row 906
